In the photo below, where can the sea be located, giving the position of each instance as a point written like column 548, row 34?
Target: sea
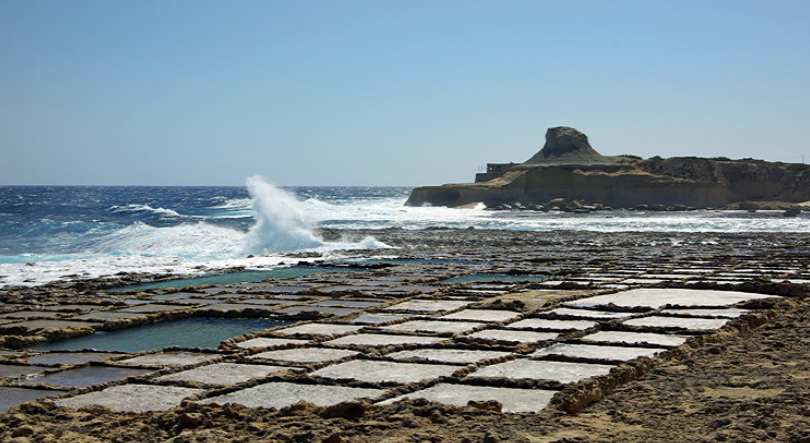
column 50, row 233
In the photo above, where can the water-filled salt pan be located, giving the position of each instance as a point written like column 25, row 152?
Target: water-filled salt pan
column 85, row 376
column 65, row 358
column 281, row 394
column 456, row 356
column 657, row 298
column 11, row 396
column 677, row 322
column 132, row 398
column 621, row 353
column 669, row 340
column 384, row 371
column 223, row 374
column 14, row 371
column 563, row 372
column 513, row 400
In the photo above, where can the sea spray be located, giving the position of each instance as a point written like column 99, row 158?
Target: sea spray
column 281, row 225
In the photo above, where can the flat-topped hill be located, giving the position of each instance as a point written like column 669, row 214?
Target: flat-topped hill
column 568, row 169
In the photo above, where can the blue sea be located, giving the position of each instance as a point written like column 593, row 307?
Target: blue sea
column 49, row 233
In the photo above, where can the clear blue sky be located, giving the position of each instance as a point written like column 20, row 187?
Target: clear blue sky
column 394, row 92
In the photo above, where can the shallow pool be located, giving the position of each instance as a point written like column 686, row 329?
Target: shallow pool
column 198, row 332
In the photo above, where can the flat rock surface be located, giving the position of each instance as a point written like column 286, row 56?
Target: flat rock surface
column 383, row 340
column 281, row 394
column 385, row 371
column 652, row 338
column 132, row 398
column 513, row 400
column 223, row 374
column 168, row 359
column 563, row 372
column 435, row 326
column 455, row 356
column 601, row 352
column 305, row 355
column 514, row 336
column 658, row 298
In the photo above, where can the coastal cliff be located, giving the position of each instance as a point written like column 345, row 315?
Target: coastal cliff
column 568, row 171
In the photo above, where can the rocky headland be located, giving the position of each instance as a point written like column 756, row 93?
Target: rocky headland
column 568, row 174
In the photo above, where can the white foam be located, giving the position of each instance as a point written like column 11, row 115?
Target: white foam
column 281, row 224
column 145, row 208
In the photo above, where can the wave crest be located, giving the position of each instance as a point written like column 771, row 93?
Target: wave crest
column 146, row 208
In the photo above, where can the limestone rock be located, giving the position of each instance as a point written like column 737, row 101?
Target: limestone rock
column 567, row 145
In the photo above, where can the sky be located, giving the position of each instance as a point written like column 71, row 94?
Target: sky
column 394, row 92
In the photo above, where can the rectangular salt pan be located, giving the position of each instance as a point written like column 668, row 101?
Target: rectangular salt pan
column 514, row 336
column 434, row 326
column 428, row 305
column 668, row 340
column 560, row 325
column 11, row 396
column 383, row 340
column 132, row 398
column 169, row 359
column 85, row 376
column 224, row 374
column 266, row 342
column 698, row 312
column 376, row 318
column 281, row 394
column 589, row 313
column 305, row 355
column 677, row 322
column 489, row 315
column 563, row 372
column 620, row 353
column 319, row 329
column 454, row 356
column 384, row 371
column 513, row 400
column 657, row 298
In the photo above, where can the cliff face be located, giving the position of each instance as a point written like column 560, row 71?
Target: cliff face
column 624, row 182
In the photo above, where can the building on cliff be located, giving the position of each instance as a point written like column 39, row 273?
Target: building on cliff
column 568, row 169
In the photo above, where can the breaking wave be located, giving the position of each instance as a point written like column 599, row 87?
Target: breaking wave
column 146, row 208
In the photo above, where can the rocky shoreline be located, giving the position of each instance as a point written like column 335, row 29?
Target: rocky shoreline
column 744, row 382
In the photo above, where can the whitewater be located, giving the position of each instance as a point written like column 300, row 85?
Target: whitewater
column 53, row 233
